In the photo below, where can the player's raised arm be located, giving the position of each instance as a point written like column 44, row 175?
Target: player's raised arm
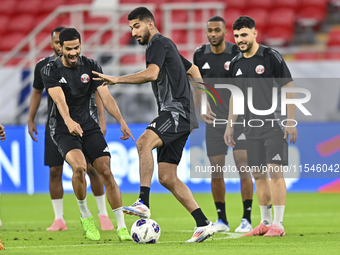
column 147, row 75
column 58, row 97
column 112, row 107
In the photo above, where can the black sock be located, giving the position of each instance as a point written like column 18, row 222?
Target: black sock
column 199, row 217
column 144, row 195
column 247, row 209
column 220, row 208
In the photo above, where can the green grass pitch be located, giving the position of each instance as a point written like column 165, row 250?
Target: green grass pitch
column 311, row 221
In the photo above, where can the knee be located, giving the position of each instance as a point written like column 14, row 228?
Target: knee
column 166, row 181
column 142, row 144
column 56, row 172
column 79, row 171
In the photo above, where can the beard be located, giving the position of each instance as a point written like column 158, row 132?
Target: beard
column 145, row 37
column 248, row 47
column 218, row 43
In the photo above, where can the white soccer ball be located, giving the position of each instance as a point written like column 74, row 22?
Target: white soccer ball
column 145, row 231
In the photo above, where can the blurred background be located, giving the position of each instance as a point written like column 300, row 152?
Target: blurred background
column 305, row 32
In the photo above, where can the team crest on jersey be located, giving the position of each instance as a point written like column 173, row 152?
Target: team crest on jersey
column 259, row 69
column 226, row 65
column 85, row 78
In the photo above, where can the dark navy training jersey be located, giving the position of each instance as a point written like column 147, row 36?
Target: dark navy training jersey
column 38, row 82
column 79, row 88
column 214, row 69
column 172, row 87
column 263, row 71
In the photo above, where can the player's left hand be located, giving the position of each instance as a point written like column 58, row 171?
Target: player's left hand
column 210, row 116
column 291, row 132
column 108, row 80
column 125, row 131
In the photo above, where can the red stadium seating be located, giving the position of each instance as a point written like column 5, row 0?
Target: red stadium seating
column 21, row 23
column 52, row 25
column 333, row 38
column 10, row 6
column 292, row 4
column 278, row 35
column 73, row 2
column 24, row 6
column 88, row 18
column 265, row 4
column 41, row 37
column 282, row 17
column 4, row 20
column 259, row 15
column 311, row 15
column 9, row 40
column 179, row 36
column 238, row 4
column 304, row 56
column 332, row 56
column 230, row 15
column 49, row 6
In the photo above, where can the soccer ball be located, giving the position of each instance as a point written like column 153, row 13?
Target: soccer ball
column 145, row 231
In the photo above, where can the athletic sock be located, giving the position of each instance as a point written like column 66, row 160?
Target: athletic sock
column 278, row 215
column 84, row 211
column 247, row 209
column 220, row 208
column 101, row 203
column 119, row 217
column 266, row 215
column 144, row 195
column 200, row 218
column 58, row 208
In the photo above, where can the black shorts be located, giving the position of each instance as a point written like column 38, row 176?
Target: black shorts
column 52, row 155
column 270, row 149
column 174, row 130
column 215, row 140
column 92, row 143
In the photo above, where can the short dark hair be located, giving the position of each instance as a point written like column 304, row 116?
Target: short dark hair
column 141, row 13
column 57, row 29
column 216, row 18
column 243, row 21
column 68, row 34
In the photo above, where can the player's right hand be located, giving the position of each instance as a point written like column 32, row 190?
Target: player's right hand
column 74, row 128
column 32, row 128
column 228, row 137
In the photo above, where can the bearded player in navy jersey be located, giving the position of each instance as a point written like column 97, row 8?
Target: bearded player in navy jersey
column 213, row 60
column 264, row 70
column 74, row 125
column 168, row 72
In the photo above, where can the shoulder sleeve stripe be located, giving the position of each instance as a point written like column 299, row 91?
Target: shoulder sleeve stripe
column 46, row 70
column 277, row 55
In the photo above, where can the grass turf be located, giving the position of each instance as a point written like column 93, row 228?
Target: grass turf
column 311, row 222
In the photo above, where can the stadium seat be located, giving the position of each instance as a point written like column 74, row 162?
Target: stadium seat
column 230, row 15
column 200, row 37
column 41, row 37
column 74, row 2
column 50, row 26
column 10, row 6
column 179, row 36
column 311, row 15
column 282, row 17
column 333, row 38
column 292, row 4
column 21, row 23
column 265, row 4
column 278, row 36
column 332, row 56
column 88, row 18
column 310, row 56
column 24, row 6
column 128, row 59
column 4, row 19
column 10, row 40
column 49, row 6
column 239, row 4
column 259, row 15
column 178, row 16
